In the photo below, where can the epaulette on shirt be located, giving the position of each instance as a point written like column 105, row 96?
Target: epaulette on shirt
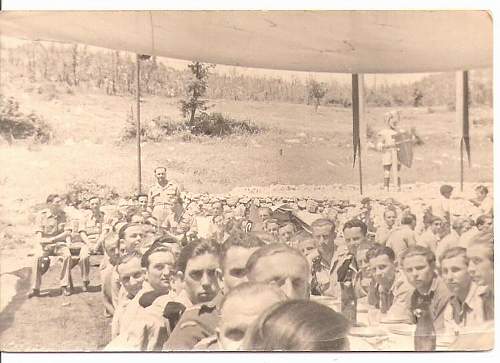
column 147, row 298
column 173, row 312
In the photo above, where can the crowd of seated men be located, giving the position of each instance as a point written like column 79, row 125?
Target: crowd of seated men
column 202, row 280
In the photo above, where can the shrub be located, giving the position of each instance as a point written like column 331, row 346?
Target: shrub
column 79, row 192
column 217, row 125
column 15, row 124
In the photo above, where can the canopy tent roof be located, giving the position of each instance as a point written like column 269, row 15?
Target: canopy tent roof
column 319, row 41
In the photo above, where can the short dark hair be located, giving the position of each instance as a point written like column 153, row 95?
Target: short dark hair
column 197, row 247
column 419, row 251
column 482, row 219
column 121, row 231
column 141, row 195
column 158, row 168
column 51, row 197
column 356, row 223
column 390, row 209
column 151, row 251
column 240, row 239
column 445, row 189
column 482, row 189
column 409, row 219
column 379, row 250
column 94, row 197
column 323, row 222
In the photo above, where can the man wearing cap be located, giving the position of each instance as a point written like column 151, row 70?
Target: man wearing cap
column 52, row 238
column 164, row 198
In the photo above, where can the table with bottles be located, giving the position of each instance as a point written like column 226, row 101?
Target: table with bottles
column 371, row 335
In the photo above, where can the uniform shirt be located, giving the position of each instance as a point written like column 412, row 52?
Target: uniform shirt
column 140, row 330
column 92, row 225
column 196, row 323
column 386, row 137
column 486, row 206
column 124, row 298
column 50, row 224
column 429, row 240
column 383, row 233
column 400, row 239
column 168, row 194
column 438, row 297
column 396, row 297
column 470, row 314
column 327, row 276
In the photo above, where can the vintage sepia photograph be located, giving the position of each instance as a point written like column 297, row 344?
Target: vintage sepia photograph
column 234, row 180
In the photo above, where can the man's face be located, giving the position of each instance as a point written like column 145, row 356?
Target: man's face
column 235, row 266
column 466, row 225
column 161, row 270
column 419, row 272
column 161, row 174
column 238, row 314
column 383, row 270
column 272, row 228
column 94, row 204
column 200, row 278
column 264, row 213
column 287, row 271
column 353, row 238
column 455, row 274
column 390, row 218
column 143, row 202
column 480, row 266
column 285, row 233
column 217, row 209
column 324, row 239
column 447, row 195
column 394, row 122
column 132, row 238
column 56, row 204
column 436, row 226
column 131, row 276
column 486, row 226
column 480, row 195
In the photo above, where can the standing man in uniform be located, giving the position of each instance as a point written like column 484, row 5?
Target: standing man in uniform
column 387, row 145
column 164, row 199
column 52, row 237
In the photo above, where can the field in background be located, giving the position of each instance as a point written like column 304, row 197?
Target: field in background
column 300, row 147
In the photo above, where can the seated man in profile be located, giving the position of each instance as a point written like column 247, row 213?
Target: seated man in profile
column 480, row 268
column 138, row 329
column 428, row 289
column 132, row 277
column 462, row 312
column 388, row 290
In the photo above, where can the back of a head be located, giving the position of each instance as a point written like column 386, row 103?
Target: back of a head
column 408, row 219
column 299, row 325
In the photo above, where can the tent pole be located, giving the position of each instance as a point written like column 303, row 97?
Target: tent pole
column 138, row 132
column 359, row 119
column 462, row 115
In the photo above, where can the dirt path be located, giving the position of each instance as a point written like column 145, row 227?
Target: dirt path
column 54, row 322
